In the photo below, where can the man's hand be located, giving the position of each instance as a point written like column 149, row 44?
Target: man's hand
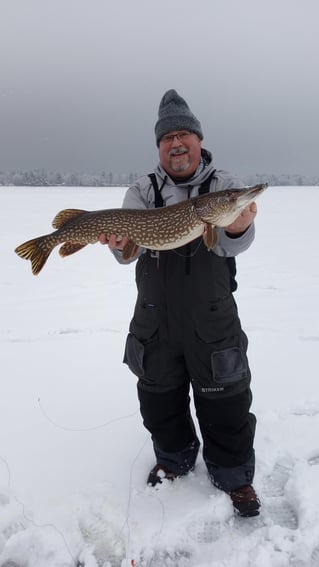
column 112, row 242
column 240, row 225
column 115, row 244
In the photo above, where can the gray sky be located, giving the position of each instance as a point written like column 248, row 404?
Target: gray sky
column 81, row 81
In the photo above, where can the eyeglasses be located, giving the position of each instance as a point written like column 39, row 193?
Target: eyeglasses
column 169, row 138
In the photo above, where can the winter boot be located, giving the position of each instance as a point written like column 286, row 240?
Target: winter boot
column 158, row 473
column 245, row 501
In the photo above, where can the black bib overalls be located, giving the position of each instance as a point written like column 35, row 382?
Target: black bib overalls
column 186, row 330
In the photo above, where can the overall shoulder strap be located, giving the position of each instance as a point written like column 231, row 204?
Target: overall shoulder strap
column 158, row 196
column 204, row 188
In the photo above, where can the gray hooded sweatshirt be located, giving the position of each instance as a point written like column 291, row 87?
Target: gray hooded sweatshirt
column 141, row 195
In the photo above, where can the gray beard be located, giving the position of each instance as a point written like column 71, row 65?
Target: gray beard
column 179, row 167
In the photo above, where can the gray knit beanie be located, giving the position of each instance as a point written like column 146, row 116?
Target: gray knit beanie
column 174, row 114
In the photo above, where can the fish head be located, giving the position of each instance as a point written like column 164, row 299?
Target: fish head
column 223, row 207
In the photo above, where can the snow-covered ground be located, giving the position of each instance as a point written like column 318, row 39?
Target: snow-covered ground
column 74, row 455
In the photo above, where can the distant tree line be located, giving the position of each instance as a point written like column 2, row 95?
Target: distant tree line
column 42, row 178
column 283, row 179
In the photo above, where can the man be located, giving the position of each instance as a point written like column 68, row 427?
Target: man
column 185, row 329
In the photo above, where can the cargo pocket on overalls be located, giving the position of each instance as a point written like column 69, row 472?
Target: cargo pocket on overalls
column 133, row 355
column 219, row 366
column 229, row 366
column 143, row 333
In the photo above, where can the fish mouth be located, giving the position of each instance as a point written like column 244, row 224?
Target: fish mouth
column 246, row 196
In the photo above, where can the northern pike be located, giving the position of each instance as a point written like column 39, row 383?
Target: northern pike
column 162, row 228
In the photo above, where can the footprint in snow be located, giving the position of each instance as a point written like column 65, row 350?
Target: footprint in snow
column 276, row 507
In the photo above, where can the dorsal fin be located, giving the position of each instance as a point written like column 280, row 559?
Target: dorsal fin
column 65, row 216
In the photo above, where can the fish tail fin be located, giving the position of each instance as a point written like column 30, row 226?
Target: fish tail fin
column 35, row 251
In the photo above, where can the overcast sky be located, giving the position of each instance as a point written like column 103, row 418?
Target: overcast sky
column 81, row 82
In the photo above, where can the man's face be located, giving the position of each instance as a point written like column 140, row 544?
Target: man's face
column 180, row 153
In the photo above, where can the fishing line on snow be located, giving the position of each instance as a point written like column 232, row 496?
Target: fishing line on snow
column 129, row 561
column 52, row 526
column 129, row 499
column 8, row 470
column 35, row 524
column 130, row 487
column 92, row 428
column 75, row 561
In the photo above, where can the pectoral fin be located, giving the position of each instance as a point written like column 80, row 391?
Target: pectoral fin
column 210, row 236
column 129, row 250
